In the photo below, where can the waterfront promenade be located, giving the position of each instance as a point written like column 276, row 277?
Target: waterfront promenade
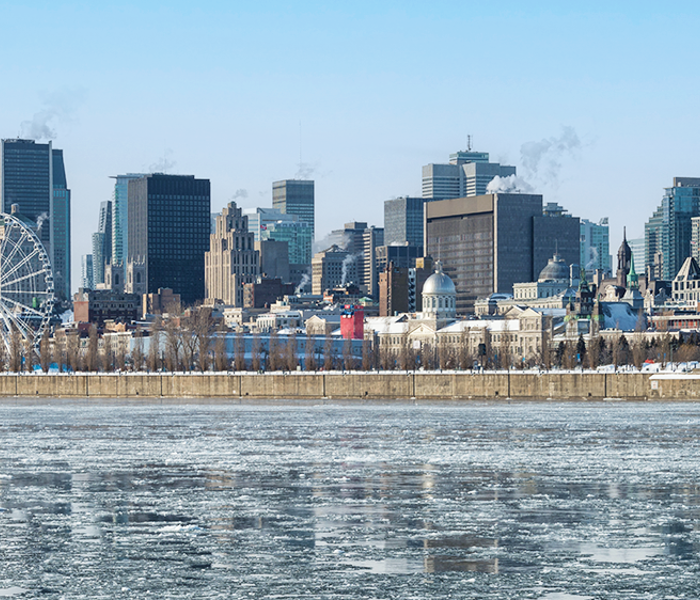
column 362, row 386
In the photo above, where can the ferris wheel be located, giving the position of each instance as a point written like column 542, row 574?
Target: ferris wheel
column 26, row 283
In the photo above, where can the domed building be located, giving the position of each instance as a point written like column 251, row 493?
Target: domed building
column 553, row 281
column 556, row 270
column 439, row 296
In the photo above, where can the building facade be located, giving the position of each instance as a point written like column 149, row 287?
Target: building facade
column 332, row 268
column 668, row 233
column 33, row 176
column 232, row 259
column 169, row 228
column 86, row 278
column 403, row 222
column 60, row 228
column 595, row 247
column 120, row 216
column 296, row 197
column 102, row 242
column 467, row 174
column 488, row 243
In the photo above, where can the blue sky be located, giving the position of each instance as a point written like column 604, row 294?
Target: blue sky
column 369, row 91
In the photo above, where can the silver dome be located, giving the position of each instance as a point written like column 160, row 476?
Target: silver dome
column 439, row 283
column 556, row 270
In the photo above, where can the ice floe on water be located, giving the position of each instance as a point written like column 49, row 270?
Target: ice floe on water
column 570, row 501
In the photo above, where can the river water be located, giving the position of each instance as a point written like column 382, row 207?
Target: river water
column 559, row 501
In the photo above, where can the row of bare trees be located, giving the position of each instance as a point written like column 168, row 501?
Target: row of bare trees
column 198, row 343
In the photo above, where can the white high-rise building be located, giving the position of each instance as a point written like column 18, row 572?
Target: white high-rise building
column 595, row 247
column 467, row 174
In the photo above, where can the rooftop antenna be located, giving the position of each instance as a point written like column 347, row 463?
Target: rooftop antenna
column 469, row 143
column 300, row 161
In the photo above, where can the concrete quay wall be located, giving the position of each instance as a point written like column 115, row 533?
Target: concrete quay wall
column 446, row 386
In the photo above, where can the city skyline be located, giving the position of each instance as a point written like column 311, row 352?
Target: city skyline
column 573, row 97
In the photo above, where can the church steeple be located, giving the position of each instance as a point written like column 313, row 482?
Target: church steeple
column 632, row 277
column 624, row 258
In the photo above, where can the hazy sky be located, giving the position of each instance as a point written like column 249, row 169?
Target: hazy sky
column 604, row 101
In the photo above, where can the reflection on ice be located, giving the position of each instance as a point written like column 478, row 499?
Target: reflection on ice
column 555, row 502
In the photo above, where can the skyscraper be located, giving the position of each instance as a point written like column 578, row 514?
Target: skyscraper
column 86, row 278
column 60, row 224
column 488, row 243
column 668, row 233
column 273, row 224
column 295, row 197
column 595, row 247
column 27, row 180
column 102, row 242
column 169, row 227
column 120, row 217
column 232, row 259
column 403, row 221
column 34, row 177
column 467, row 174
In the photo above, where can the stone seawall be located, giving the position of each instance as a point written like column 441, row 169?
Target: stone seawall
column 358, row 386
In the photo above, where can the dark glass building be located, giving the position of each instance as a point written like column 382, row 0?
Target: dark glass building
column 488, row 243
column 60, row 222
column 169, row 226
column 34, row 178
column 295, row 197
column 403, row 221
column 27, row 181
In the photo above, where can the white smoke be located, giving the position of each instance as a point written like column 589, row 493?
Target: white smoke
column 347, row 261
column 305, row 171
column 543, row 160
column 302, row 284
column 593, row 253
column 58, row 107
column 512, row 184
column 40, row 221
column 340, row 239
column 164, row 164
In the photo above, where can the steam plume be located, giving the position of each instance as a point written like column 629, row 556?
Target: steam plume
column 509, row 184
column 58, row 107
column 542, row 160
column 302, row 284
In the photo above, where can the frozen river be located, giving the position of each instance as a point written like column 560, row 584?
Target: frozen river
column 546, row 500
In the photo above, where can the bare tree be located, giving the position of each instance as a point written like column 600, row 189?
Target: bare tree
column 256, row 353
column 291, row 352
column 465, row 359
column 310, row 363
column 59, row 349
column 120, row 355
column 15, row 350
column 328, row 362
column 348, row 358
column 274, row 361
column 220, row 356
column 154, row 346
column 239, row 353
column 368, row 356
column 405, row 353
column 593, row 353
column 73, row 350
column 91, row 358
column 203, row 329
column 173, row 346
column 386, row 357
column 29, row 354
column 45, row 352
column 137, row 356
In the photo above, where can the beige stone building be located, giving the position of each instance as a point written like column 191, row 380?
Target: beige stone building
column 232, row 259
